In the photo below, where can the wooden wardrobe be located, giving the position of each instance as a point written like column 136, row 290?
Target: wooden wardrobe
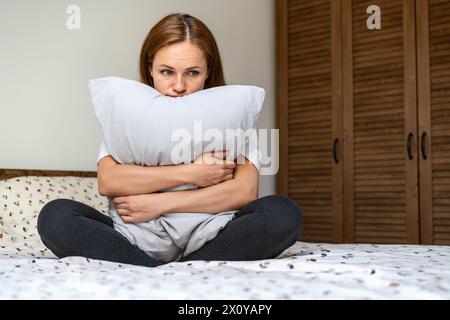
column 364, row 119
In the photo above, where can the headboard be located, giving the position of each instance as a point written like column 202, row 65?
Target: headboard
column 11, row 173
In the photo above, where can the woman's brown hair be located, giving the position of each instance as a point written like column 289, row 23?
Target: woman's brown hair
column 175, row 28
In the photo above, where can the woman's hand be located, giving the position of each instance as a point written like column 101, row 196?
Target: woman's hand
column 210, row 169
column 139, row 208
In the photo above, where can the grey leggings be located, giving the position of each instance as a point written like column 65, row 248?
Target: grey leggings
column 262, row 229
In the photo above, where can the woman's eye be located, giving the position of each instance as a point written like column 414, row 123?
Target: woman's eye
column 166, row 72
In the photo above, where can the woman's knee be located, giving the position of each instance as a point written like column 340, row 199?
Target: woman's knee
column 49, row 217
column 286, row 212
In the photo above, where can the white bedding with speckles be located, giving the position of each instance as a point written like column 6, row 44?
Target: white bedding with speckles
column 304, row 271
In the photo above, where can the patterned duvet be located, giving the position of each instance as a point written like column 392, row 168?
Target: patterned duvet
column 304, row 271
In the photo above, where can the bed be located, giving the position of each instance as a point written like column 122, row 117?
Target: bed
column 28, row 270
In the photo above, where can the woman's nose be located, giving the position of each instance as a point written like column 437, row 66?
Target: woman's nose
column 180, row 86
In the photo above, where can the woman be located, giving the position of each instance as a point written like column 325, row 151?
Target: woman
column 178, row 57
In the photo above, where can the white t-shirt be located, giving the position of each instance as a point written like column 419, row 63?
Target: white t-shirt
column 102, row 152
column 252, row 156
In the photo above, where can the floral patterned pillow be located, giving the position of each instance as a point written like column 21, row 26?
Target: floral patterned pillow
column 21, row 200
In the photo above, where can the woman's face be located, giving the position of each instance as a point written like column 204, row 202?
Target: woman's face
column 179, row 69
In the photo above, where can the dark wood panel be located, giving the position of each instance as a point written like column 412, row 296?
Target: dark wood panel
column 12, row 173
column 433, row 53
column 310, row 112
column 359, row 86
column 379, row 113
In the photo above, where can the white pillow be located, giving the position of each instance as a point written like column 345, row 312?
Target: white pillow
column 137, row 121
column 137, row 124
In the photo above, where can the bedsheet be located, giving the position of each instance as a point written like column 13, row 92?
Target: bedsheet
column 303, row 271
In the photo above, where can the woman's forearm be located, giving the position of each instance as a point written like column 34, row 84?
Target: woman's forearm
column 122, row 179
column 225, row 196
column 229, row 195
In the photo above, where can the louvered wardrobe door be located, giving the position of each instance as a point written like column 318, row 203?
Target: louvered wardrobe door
column 309, row 111
column 380, row 172
column 433, row 18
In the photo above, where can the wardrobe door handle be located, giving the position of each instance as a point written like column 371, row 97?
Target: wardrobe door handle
column 409, row 146
column 335, row 158
column 423, row 142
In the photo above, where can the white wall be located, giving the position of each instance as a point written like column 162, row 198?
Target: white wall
column 47, row 120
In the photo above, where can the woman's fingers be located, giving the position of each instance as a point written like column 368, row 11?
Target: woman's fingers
column 123, row 212
column 230, row 165
column 127, row 219
column 121, row 206
column 220, row 154
column 228, row 171
column 228, row 176
column 118, row 200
